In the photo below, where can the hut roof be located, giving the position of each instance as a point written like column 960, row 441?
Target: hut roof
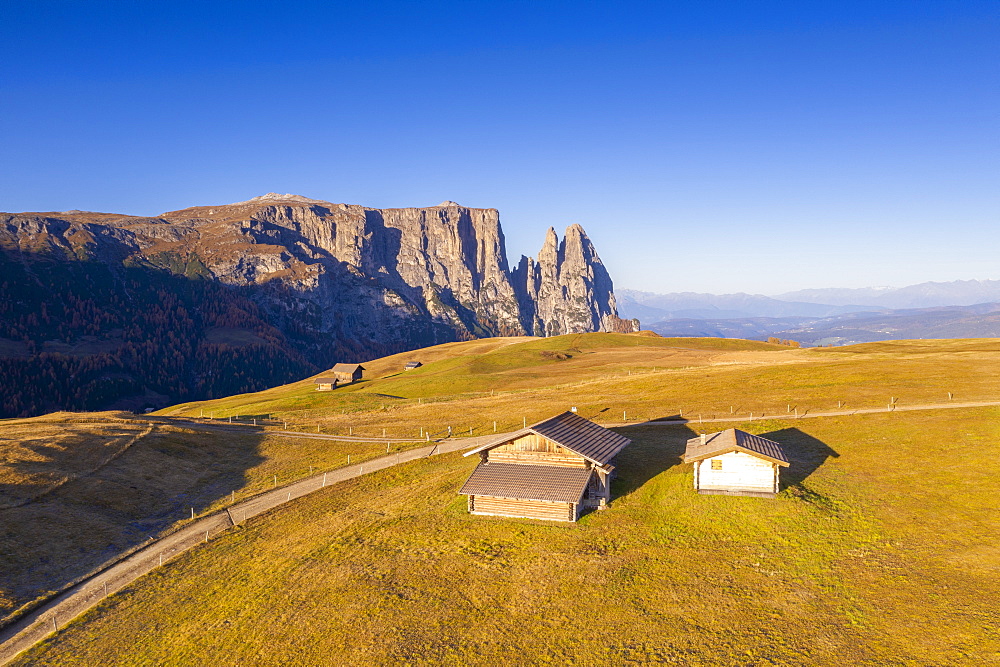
column 413, row 364
column 527, row 482
column 589, row 440
column 734, row 440
column 324, row 380
column 347, row 368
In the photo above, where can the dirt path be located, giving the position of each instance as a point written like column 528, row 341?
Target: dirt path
column 807, row 414
column 249, row 428
column 49, row 617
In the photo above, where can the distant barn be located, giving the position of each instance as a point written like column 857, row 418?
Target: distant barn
column 412, row 365
column 325, row 384
column 550, row 470
column 735, row 463
column 347, row 372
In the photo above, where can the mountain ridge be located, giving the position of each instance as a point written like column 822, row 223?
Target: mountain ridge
column 319, row 281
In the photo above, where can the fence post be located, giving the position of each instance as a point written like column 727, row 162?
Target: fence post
column 275, row 481
column 192, row 513
column 494, row 426
column 324, row 479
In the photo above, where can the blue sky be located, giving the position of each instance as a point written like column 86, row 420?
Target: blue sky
column 704, row 146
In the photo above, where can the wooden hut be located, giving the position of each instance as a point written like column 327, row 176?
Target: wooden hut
column 325, row 384
column 412, row 365
column 735, row 463
column 550, row 470
column 346, row 373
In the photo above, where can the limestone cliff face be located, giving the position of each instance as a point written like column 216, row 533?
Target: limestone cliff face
column 399, row 278
column 567, row 290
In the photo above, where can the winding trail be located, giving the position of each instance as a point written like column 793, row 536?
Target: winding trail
column 36, row 625
column 807, row 414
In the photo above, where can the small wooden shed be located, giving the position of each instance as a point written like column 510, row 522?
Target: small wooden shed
column 412, row 365
column 550, row 470
column 735, row 463
column 325, row 384
column 348, row 372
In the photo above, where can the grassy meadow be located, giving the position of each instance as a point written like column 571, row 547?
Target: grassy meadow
column 611, row 376
column 882, row 551
column 77, row 490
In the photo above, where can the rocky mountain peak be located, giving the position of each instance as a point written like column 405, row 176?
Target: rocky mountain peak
column 275, row 197
column 447, row 203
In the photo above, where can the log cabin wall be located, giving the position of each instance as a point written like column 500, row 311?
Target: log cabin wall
column 533, row 448
column 528, row 509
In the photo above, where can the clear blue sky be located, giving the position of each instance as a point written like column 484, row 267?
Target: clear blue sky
column 704, row 146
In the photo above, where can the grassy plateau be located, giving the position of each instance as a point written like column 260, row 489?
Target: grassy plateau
column 880, row 550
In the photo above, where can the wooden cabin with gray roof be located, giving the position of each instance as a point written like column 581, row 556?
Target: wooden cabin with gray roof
column 347, row 373
column 551, row 470
column 735, row 463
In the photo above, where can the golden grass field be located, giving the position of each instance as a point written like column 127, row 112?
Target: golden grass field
column 881, row 551
column 886, row 554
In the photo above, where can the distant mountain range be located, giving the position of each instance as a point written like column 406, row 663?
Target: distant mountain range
column 958, row 309
column 825, row 302
column 980, row 321
column 924, row 295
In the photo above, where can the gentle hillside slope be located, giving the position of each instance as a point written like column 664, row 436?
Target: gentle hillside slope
column 472, row 384
column 881, row 552
column 116, row 496
column 76, row 490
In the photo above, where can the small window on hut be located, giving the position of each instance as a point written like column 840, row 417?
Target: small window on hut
column 716, row 464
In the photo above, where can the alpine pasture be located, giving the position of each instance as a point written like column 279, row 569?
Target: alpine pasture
column 879, row 549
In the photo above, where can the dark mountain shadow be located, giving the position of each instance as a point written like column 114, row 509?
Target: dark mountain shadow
column 805, row 454
column 113, row 331
column 114, row 500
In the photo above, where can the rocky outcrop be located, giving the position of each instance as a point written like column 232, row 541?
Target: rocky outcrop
column 413, row 276
column 567, row 290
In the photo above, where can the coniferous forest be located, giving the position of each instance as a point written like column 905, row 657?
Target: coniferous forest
column 88, row 335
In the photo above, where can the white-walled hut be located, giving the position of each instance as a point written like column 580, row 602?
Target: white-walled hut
column 346, row 373
column 550, row 470
column 736, row 463
column 412, row 365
